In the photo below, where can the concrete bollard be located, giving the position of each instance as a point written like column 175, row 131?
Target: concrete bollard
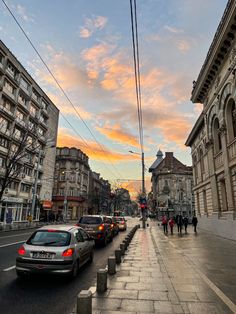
column 84, row 302
column 111, row 265
column 118, row 256
column 122, row 248
column 101, row 280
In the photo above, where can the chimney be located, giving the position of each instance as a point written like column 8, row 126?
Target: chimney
column 169, row 155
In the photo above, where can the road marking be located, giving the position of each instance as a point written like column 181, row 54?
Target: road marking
column 9, row 244
column 15, row 235
column 9, row 268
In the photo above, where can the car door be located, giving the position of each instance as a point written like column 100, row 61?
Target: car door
column 80, row 247
column 88, row 247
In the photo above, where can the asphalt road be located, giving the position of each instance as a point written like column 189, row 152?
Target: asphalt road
column 45, row 295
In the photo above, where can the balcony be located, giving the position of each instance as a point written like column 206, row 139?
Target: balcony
column 2, row 171
column 8, row 93
column 232, row 150
column 3, row 149
column 20, row 122
column 218, row 160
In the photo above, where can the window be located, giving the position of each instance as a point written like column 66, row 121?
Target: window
column 3, row 142
column 22, row 99
column 9, row 87
column 24, row 84
column 217, row 136
column 231, row 120
column 61, row 192
column 2, row 162
column 13, row 185
column 40, row 131
column 4, row 124
column 35, row 95
column 44, row 104
column 33, row 111
column 202, row 165
column 17, row 133
column 20, row 115
column 78, row 236
column 11, row 69
column 25, row 188
column 71, row 192
column 27, row 171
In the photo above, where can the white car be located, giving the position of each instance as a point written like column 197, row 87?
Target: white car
column 121, row 223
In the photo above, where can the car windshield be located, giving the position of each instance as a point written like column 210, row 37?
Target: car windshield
column 89, row 220
column 50, row 238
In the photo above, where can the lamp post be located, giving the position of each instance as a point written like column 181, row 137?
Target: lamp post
column 143, row 186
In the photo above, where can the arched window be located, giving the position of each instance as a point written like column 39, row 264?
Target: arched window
column 231, row 119
column 217, row 136
column 201, row 161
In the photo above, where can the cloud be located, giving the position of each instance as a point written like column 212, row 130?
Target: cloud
column 23, row 14
column 119, row 135
column 174, row 30
column 183, row 45
column 134, row 187
column 92, row 25
column 92, row 149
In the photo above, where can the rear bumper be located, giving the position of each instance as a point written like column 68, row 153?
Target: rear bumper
column 33, row 266
column 122, row 227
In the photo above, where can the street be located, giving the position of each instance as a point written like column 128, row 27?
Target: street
column 44, row 294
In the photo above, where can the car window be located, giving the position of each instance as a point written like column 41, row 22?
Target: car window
column 78, row 236
column 49, row 238
column 90, row 220
column 84, row 234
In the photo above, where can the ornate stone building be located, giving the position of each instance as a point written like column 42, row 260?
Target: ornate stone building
column 213, row 138
column 172, row 184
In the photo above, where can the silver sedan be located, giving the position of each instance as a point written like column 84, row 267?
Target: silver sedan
column 57, row 249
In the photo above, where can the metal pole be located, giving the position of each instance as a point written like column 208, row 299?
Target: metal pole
column 143, row 179
column 35, row 185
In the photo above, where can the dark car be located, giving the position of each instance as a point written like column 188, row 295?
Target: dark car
column 114, row 225
column 97, row 227
column 55, row 249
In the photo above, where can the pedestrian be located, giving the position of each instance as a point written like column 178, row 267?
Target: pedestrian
column 185, row 221
column 165, row 224
column 179, row 223
column 195, row 222
column 171, row 224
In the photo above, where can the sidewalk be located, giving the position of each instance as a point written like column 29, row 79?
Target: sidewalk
column 156, row 277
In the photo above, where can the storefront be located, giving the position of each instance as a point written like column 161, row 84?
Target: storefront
column 14, row 209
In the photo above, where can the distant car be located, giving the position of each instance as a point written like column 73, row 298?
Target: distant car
column 121, row 223
column 114, row 225
column 97, row 227
column 55, row 249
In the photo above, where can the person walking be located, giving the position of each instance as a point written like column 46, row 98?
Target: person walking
column 179, row 223
column 195, row 222
column 165, row 224
column 185, row 221
column 171, row 224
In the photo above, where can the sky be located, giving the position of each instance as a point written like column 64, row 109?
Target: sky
column 87, row 45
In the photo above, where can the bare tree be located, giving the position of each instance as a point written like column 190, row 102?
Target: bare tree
column 19, row 146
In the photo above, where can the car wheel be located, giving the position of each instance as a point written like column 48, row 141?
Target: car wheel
column 91, row 257
column 75, row 269
column 20, row 274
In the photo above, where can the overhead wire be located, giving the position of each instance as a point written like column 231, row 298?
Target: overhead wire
column 61, row 88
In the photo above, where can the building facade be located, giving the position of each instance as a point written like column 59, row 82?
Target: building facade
column 172, row 184
column 28, row 119
column 71, row 183
column 213, row 138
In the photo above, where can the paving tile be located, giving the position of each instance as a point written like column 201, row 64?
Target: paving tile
column 128, row 279
column 153, row 295
column 106, row 304
column 187, row 296
column 166, row 307
column 138, row 306
column 205, row 308
column 123, row 294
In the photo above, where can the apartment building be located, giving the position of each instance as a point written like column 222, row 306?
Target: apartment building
column 29, row 118
column 71, row 183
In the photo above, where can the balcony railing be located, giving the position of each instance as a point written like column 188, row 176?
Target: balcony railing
column 218, row 160
column 8, row 111
column 12, row 95
column 232, row 150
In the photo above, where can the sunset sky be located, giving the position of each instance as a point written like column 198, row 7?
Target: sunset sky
column 87, row 44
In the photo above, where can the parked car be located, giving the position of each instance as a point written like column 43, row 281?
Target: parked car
column 55, row 249
column 121, row 223
column 97, row 227
column 114, row 225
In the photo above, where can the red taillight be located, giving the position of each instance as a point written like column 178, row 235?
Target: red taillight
column 101, row 227
column 122, row 222
column 21, row 250
column 112, row 225
column 68, row 252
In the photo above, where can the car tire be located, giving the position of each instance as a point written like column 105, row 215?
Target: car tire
column 75, row 270
column 91, row 257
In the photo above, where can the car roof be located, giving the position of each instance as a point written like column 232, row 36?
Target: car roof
column 59, row 227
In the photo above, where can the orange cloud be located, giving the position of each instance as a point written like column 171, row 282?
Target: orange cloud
column 134, row 187
column 92, row 149
column 119, row 135
column 91, row 25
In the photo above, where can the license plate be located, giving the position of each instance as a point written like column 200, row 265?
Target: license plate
column 43, row 255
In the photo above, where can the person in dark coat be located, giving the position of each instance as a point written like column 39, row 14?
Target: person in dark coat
column 195, row 222
column 185, row 221
column 165, row 224
column 179, row 223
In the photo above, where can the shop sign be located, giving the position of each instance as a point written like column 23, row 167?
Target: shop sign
column 12, row 199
